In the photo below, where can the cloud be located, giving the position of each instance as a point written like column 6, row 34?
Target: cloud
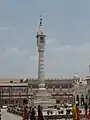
column 83, row 49
column 50, row 41
column 62, row 60
column 67, row 59
column 33, row 58
column 15, row 50
column 12, row 50
column 16, row 62
column 64, row 48
column 3, row 28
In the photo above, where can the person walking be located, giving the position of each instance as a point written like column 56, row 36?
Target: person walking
column 25, row 113
column 33, row 113
column 78, row 113
column 74, row 112
column 29, row 112
column 40, row 113
column 86, row 107
column 88, row 115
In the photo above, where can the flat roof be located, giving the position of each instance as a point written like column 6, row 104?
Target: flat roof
column 13, row 84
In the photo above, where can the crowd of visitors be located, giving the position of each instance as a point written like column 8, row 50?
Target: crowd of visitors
column 76, row 112
column 30, row 114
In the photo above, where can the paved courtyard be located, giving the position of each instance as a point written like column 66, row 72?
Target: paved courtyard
column 8, row 116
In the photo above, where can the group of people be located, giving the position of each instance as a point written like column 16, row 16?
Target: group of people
column 30, row 114
column 76, row 112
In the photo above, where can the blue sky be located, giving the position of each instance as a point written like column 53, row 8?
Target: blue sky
column 67, row 26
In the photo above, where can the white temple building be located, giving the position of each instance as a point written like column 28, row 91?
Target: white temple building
column 80, row 90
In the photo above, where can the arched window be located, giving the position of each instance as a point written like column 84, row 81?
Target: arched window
column 86, row 97
column 77, row 100
column 74, row 99
column 82, row 99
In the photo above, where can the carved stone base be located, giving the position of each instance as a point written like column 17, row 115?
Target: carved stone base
column 44, row 98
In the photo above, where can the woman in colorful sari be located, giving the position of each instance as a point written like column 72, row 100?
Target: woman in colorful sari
column 88, row 116
column 78, row 113
column 74, row 112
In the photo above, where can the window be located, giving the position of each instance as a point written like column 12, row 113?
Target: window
column 57, row 101
column 25, row 89
column 5, row 90
column 11, row 81
column 82, row 99
column 6, row 102
column 25, row 101
column 16, row 101
column 41, row 40
column 74, row 81
column 21, row 81
column 77, row 99
column 86, row 97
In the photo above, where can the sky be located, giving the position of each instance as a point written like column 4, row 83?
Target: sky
column 67, row 26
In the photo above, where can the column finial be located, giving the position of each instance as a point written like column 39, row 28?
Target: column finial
column 40, row 20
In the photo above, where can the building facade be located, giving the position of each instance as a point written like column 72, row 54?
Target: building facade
column 80, row 92
column 60, row 88
column 13, row 91
column 88, row 86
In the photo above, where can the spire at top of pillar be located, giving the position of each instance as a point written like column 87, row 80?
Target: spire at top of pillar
column 41, row 28
column 40, row 20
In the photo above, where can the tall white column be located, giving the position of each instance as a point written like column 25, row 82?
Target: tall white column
column 41, row 64
column 43, row 97
column 41, row 44
column 41, row 69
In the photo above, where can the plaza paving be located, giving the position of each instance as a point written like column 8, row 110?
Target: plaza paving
column 8, row 116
